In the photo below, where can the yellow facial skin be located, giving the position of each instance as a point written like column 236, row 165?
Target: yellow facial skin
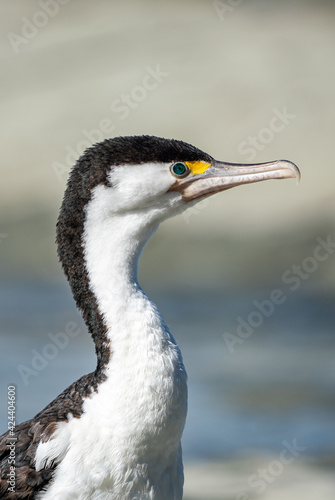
column 197, row 167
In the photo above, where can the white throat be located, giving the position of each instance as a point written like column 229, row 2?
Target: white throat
column 112, row 244
column 127, row 442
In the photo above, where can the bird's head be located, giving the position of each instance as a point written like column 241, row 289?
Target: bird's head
column 158, row 177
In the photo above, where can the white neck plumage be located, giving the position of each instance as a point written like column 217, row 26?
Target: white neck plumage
column 112, row 245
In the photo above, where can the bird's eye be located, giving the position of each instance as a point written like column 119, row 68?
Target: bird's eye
column 180, row 169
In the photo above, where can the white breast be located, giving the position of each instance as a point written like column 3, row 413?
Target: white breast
column 127, row 443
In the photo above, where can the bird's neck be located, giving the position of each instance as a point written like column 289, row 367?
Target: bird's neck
column 111, row 251
column 112, row 247
column 99, row 249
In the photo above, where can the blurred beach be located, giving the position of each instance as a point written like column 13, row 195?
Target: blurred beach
column 246, row 82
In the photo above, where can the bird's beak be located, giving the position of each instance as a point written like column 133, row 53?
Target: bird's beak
column 221, row 176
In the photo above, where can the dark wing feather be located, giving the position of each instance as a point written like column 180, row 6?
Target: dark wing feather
column 27, row 480
column 41, row 428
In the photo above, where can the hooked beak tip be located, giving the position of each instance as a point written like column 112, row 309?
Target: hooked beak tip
column 291, row 168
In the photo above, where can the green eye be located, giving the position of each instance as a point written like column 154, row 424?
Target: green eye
column 179, row 169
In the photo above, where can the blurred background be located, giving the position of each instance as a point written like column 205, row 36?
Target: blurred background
column 246, row 81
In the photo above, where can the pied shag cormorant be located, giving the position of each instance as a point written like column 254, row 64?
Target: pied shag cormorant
column 115, row 433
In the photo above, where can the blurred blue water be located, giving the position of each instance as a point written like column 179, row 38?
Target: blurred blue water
column 277, row 385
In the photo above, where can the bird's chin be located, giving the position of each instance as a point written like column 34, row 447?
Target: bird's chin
column 222, row 176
